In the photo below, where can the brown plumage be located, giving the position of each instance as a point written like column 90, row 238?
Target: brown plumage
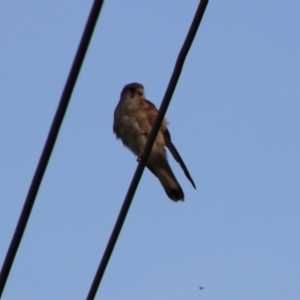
column 133, row 120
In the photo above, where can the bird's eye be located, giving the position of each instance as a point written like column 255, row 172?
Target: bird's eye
column 140, row 93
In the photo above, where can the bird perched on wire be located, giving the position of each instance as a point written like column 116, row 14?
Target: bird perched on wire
column 134, row 117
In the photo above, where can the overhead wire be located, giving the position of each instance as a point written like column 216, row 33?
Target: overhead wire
column 50, row 142
column 141, row 166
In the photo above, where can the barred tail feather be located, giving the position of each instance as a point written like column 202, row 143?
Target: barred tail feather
column 166, row 177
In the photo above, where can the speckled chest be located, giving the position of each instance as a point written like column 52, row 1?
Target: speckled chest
column 134, row 114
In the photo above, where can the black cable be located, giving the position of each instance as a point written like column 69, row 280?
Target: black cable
column 140, row 168
column 49, row 145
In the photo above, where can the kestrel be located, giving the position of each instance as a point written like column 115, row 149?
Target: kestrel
column 134, row 117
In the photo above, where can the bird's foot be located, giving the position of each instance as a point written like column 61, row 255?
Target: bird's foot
column 139, row 158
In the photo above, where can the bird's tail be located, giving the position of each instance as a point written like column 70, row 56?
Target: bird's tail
column 163, row 172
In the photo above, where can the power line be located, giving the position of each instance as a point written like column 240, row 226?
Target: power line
column 50, row 142
column 141, row 166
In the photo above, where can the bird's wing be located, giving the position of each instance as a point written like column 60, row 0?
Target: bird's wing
column 152, row 113
column 177, row 156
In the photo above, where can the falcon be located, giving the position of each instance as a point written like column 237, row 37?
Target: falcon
column 134, row 117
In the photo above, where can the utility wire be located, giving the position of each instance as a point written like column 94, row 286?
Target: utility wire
column 141, row 166
column 50, row 142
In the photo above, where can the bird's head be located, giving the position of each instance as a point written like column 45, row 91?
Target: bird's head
column 131, row 89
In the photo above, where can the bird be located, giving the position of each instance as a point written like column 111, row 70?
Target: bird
column 134, row 117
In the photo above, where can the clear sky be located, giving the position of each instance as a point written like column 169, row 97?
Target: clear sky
column 234, row 118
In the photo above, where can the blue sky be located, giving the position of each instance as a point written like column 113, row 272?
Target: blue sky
column 234, row 118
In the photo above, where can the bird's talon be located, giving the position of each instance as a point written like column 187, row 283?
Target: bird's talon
column 139, row 158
